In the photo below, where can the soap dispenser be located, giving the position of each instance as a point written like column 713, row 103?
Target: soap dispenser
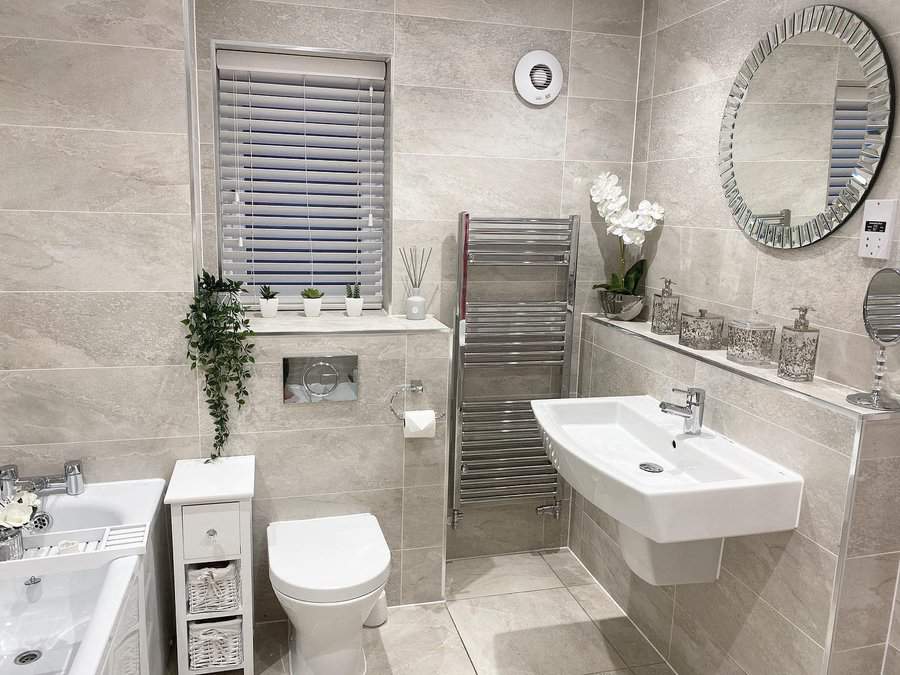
column 799, row 344
column 665, row 310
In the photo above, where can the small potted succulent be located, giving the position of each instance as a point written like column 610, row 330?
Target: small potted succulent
column 16, row 513
column 353, row 302
column 268, row 302
column 312, row 302
column 621, row 296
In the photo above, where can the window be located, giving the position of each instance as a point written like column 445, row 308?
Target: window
column 301, row 156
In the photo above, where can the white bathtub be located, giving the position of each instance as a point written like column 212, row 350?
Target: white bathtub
column 89, row 618
column 67, row 619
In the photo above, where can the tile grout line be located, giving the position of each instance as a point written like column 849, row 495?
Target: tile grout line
column 893, row 617
column 462, row 640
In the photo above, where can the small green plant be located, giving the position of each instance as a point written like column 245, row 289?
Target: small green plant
column 219, row 344
column 266, row 293
column 312, row 293
column 629, row 282
column 353, row 291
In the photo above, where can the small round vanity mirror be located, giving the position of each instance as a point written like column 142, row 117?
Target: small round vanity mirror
column 881, row 315
column 805, row 127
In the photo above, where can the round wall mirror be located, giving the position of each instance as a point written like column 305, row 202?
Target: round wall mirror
column 881, row 315
column 805, row 127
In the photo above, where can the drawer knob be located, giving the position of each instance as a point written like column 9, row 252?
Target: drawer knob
column 211, row 532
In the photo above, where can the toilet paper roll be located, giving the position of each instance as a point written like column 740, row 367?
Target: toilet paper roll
column 418, row 424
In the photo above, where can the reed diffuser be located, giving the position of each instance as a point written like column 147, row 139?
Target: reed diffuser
column 415, row 262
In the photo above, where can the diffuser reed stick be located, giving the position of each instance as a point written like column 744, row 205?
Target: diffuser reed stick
column 415, row 262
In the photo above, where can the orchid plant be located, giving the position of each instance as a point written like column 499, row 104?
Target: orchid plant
column 17, row 511
column 631, row 227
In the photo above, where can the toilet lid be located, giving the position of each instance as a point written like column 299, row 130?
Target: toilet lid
column 328, row 559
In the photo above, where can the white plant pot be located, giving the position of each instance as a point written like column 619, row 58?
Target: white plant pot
column 268, row 308
column 312, row 307
column 354, row 306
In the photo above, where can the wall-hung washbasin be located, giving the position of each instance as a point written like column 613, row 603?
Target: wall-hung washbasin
column 675, row 496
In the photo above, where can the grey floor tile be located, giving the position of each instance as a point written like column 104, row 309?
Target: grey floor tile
column 475, row 577
column 270, row 643
column 416, row 640
column 534, row 633
column 656, row 669
column 568, row 568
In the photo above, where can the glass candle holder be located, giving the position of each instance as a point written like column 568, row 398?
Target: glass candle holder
column 701, row 330
column 750, row 342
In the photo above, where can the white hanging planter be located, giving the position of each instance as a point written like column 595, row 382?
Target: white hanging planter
column 312, row 307
column 268, row 308
column 354, row 306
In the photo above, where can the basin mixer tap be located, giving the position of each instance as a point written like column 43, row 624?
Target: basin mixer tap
column 691, row 411
column 71, row 481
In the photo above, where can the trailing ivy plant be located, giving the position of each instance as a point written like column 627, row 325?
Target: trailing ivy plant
column 219, row 345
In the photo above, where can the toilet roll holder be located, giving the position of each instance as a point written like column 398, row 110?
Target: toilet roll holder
column 414, row 387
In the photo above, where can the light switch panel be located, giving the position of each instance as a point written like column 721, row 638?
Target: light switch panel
column 878, row 228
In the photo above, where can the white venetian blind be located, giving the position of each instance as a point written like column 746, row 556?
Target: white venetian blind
column 848, row 133
column 301, row 171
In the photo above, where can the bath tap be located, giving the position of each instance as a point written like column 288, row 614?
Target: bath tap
column 71, row 481
column 691, row 411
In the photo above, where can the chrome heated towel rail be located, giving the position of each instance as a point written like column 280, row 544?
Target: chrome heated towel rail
column 496, row 446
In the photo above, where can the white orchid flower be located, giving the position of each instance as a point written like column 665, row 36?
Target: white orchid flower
column 15, row 515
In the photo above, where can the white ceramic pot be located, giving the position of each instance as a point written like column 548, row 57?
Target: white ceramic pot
column 312, row 307
column 268, row 308
column 354, row 306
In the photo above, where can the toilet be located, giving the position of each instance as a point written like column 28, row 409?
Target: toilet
column 329, row 576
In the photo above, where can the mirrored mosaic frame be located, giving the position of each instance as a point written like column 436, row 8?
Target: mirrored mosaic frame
column 855, row 32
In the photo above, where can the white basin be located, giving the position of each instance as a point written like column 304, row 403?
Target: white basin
column 709, row 488
column 105, row 504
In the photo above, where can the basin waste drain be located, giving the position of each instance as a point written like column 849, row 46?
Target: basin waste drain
column 25, row 658
column 41, row 521
column 650, row 467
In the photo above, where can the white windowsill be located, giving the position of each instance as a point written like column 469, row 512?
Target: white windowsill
column 292, row 322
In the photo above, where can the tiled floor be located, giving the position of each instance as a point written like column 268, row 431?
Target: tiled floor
column 523, row 614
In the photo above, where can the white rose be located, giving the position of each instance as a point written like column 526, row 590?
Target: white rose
column 15, row 515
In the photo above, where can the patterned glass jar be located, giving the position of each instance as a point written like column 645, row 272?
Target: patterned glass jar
column 701, row 330
column 750, row 342
column 799, row 346
column 665, row 311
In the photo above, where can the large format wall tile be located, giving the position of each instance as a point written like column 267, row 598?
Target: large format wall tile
column 57, row 406
column 614, row 17
column 604, row 66
column 42, row 251
column 286, row 24
column 599, row 130
column 429, row 52
column 147, row 23
column 866, row 601
column 792, row 573
column 712, row 45
column 55, row 84
column 873, row 527
column 107, row 460
column 442, row 121
column 540, row 13
column 307, row 462
column 693, row 650
column 671, row 137
column 68, row 170
column 74, row 330
column 439, row 188
column 758, row 638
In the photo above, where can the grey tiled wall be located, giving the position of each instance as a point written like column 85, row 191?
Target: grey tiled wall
column 784, row 599
column 690, row 54
column 463, row 140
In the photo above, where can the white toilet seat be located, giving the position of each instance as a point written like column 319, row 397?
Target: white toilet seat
column 330, row 559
